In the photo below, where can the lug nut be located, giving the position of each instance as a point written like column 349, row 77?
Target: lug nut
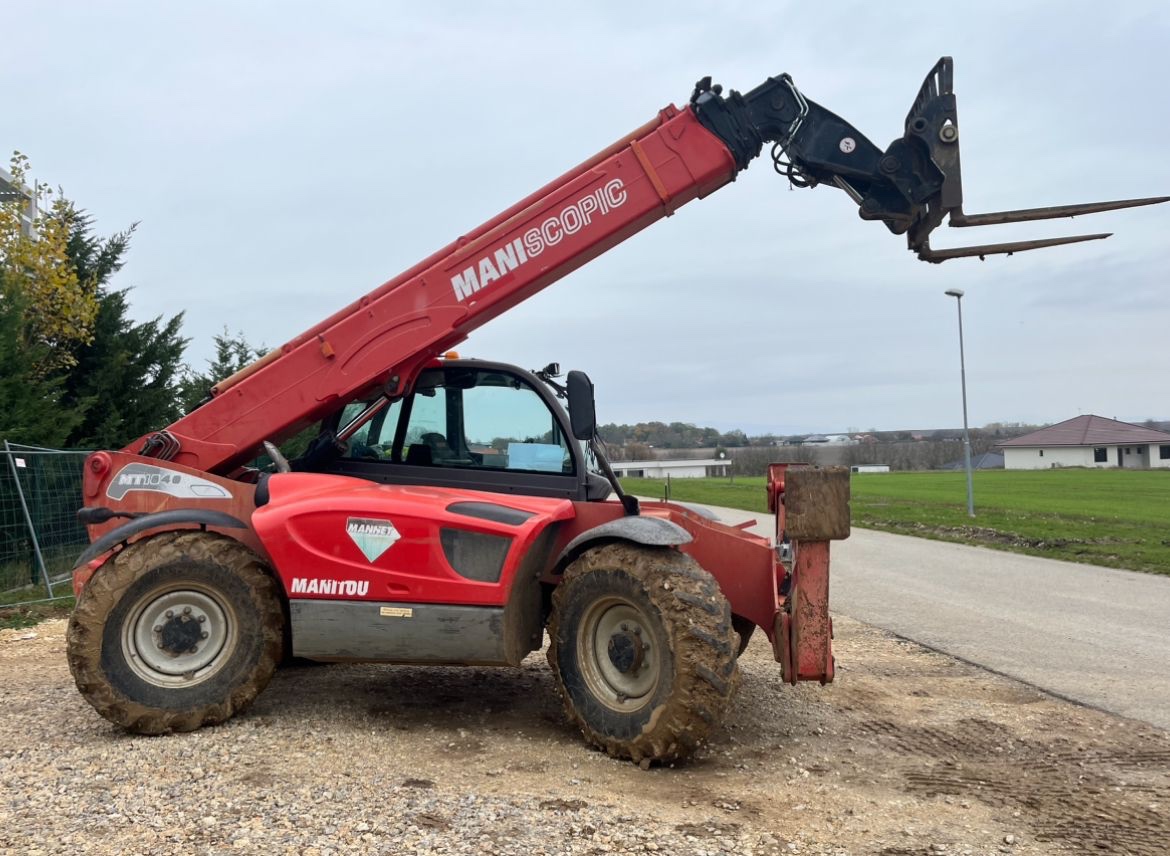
column 157, row 628
column 160, row 645
column 625, row 628
column 637, row 630
column 170, row 613
column 186, row 610
column 203, row 635
column 194, row 649
column 202, row 618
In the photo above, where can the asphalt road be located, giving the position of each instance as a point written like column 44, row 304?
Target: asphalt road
column 1094, row 635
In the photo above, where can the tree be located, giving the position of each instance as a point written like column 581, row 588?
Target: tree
column 127, row 379
column 231, row 355
column 60, row 306
column 30, row 410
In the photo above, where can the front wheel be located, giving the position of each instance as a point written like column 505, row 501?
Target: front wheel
column 643, row 651
column 176, row 631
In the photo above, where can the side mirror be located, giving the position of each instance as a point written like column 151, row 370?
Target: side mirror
column 582, row 410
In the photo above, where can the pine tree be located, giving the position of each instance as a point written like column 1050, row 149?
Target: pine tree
column 232, row 353
column 127, row 380
column 30, row 403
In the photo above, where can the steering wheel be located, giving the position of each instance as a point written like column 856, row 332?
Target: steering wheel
column 278, row 460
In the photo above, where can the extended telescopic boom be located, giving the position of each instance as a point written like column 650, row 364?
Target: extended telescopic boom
column 382, row 340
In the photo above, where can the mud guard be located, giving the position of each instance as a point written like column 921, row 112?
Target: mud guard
column 201, row 516
column 647, row 531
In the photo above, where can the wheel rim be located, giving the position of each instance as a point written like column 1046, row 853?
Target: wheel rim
column 179, row 636
column 621, row 659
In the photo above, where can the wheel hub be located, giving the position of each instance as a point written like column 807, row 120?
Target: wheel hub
column 179, row 636
column 626, row 652
column 619, row 662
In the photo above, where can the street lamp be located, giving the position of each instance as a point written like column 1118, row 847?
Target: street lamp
column 957, row 293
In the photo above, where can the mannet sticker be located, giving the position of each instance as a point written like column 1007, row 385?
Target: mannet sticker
column 161, row 480
column 373, row 537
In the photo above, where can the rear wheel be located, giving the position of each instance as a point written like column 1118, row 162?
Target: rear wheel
column 176, row 631
column 643, row 651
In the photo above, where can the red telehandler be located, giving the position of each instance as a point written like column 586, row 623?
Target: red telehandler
column 451, row 510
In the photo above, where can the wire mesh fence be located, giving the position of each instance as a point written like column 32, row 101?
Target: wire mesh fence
column 40, row 536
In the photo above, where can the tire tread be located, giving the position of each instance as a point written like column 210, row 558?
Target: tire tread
column 87, row 625
column 704, row 647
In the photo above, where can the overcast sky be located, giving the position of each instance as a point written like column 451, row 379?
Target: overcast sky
column 284, row 158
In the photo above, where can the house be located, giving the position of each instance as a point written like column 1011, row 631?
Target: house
column 674, row 469
column 1088, row 441
column 840, row 439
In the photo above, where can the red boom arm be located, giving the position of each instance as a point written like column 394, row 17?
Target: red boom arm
column 430, row 308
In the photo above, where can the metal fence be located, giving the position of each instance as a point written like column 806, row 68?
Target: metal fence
column 40, row 537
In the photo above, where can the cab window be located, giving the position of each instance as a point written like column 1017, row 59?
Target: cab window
column 375, row 439
column 467, row 418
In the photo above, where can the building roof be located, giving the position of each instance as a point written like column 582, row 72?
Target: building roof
column 1089, row 431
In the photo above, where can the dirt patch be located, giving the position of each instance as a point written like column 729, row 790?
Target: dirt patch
column 986, row 537
column 909, row 753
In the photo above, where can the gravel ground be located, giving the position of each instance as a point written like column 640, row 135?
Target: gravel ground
column 909, row 752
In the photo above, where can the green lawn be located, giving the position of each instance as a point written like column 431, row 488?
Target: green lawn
column 1117, row 518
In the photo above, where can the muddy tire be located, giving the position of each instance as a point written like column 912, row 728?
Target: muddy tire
column 176, row 631
column 643, row 651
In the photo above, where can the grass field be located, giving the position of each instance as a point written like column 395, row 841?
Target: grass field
column 1117, row 518
column 20, row 607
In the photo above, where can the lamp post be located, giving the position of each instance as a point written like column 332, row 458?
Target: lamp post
column 957, row 293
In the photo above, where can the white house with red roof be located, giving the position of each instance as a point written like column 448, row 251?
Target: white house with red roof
column 1088, row 441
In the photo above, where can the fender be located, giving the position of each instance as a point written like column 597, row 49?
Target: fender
column 647, row 531
column 204, row 517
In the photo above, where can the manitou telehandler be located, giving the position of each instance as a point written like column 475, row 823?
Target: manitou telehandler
column 449, row 510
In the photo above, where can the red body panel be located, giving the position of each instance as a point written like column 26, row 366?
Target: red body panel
column 302, row 533
column 100, row 486
column 421, row 313
column 304, row 530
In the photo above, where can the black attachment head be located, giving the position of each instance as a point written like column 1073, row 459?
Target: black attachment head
column 912, row 186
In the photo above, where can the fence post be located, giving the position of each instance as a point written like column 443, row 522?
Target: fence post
column 28, row 519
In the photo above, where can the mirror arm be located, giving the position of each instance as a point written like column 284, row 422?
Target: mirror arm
column 629, row 503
